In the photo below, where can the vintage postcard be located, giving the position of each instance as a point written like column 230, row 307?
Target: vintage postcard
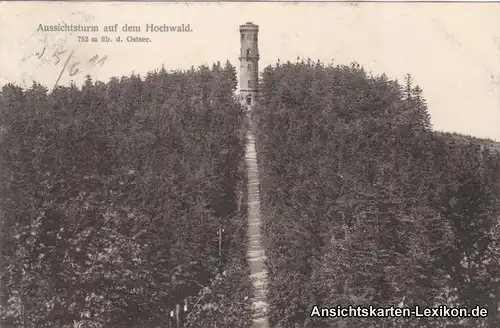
column 249, row 164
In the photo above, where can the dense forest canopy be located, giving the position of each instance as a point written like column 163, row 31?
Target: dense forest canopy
column 112, row 195
column 365, row 205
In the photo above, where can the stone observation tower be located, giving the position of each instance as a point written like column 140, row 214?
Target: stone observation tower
column 249, row 64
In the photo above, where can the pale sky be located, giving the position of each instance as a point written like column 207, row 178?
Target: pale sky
column 452, row 50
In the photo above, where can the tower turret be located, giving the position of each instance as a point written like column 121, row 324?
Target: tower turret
column 249, row 63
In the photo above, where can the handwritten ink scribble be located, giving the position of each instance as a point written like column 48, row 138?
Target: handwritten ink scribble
column 94, row 59
column 39, row 55
column 62, row 71
column 70, row 64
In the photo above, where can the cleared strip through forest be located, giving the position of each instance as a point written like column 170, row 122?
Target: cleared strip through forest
column 255, row 252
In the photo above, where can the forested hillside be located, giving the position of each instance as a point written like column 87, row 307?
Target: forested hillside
column 493, row 146
column 111, row 199
column 364, row 205
column 112, row 196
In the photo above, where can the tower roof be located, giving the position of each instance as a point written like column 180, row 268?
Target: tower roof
column 249, row 26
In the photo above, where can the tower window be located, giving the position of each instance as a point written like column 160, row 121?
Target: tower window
column 248, row 53
column 255, row 37
column 242, row 36
column 249, row 100
column 249, row 83
column 249, row 37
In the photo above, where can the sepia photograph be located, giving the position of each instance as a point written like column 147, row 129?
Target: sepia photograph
column 249, row 164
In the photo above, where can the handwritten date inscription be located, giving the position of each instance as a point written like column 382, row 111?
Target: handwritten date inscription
column 69, row 64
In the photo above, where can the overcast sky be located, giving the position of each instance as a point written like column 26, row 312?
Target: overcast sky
column 452, row 50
